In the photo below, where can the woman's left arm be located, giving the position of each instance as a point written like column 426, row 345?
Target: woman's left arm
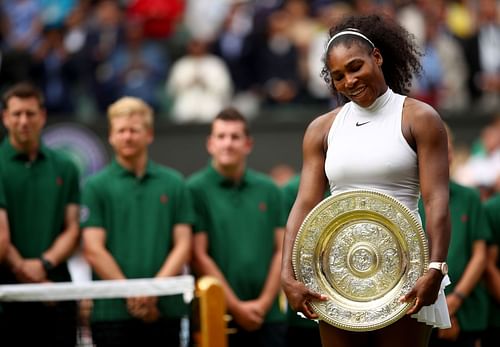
column 424, row 129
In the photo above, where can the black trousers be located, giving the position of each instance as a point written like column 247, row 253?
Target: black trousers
column 269, row 335
column 133, row 333
column 491, row 337
column 465, row 339
column 39, row 324
column 297, row 336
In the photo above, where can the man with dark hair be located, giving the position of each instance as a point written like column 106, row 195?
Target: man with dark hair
column 42, row 203
column 239, row 233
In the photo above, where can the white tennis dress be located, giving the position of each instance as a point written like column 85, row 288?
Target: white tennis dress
column 367, row 151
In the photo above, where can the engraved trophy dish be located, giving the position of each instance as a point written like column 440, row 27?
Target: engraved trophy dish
column 363, row 250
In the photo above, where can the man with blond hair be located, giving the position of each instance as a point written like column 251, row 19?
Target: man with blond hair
column 136, row 219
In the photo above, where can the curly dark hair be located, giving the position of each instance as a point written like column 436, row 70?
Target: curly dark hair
column 398, row 48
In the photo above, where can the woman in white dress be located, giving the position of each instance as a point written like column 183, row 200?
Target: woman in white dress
column 381, row 140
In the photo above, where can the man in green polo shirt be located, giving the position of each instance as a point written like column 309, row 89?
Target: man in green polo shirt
column 239, row 233
column 42, row 202
column 492, row 274
column 136, row 219
column 4, row 237
column 466, row 296
column 4, row 227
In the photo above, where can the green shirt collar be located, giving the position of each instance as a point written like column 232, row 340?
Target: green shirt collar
column 13, row 153
column 151, row 169
column 453, row 187
column 227, row 182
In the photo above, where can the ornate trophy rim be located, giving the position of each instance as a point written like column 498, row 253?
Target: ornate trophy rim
column 363, row 249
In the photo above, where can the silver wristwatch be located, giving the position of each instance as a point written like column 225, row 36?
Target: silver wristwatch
column 440, row 266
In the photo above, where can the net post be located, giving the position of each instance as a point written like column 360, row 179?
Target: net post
column 211, row 304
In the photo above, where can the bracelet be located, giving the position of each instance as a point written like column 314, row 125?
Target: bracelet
column 459, row 294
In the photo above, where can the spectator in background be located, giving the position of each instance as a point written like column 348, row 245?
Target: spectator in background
column 42, row 200
column 281, row 173
column 239, row 233
column 136, row 220
column 492, row 273
column 159, row 17
column 204, row 18
column 442, row 83
column 139, row 65
column 459, row 18
column 277, row 62
column 451, row 94
column 105, row 34
column 301, row 29
column 21, row 28
column 327, row 15
column 482, row 51
column 483, row 165
column 235, row 44
column 466, row 296
column 199, row 85
column 55, row 72
column 55, row 12
column 76, row 28
column 262, row 9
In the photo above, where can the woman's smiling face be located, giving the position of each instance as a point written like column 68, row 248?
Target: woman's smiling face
column 356, row 72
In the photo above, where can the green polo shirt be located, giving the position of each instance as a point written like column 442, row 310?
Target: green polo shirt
column 3, row 203
column 36, row 195
column 138, row 215
column 468, row 224
column 492, row 207
column 240, row 221
column 290, row 191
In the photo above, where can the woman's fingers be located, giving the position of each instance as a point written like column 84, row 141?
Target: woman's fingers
column 415, row 308
column 308, row 311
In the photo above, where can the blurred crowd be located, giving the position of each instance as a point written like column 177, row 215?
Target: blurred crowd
column 191, row 58
column 478, row 165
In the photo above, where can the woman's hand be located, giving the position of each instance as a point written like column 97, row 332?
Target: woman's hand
column 425, row 291
column 299, row 297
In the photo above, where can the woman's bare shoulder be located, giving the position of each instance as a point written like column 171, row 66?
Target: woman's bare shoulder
column 322, row 123
column 422, row 119
column 317, row 132
column 419, row 110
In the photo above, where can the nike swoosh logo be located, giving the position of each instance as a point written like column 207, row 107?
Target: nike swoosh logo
column 358, row 124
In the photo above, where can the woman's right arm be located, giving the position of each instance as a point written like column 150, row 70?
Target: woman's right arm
column 313, row 183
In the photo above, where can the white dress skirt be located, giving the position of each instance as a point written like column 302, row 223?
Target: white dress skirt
column 436, row 314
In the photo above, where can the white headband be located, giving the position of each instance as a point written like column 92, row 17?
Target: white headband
column 348, row 31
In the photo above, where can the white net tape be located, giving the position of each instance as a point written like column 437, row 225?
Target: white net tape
column 99, row 289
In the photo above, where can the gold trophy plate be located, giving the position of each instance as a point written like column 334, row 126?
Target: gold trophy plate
column 363, row 250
